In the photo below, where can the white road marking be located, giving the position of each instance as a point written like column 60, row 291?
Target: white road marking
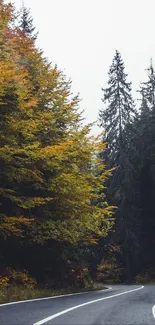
column 153, row 311
column 53, row 297
column 45, row 320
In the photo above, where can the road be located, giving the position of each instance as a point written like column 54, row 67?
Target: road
column 120, row 305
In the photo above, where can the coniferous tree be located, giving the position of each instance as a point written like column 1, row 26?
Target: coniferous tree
column 148, row 87
column 118, row 112
column 146, row 162
column 26, row 23
column 117, row 120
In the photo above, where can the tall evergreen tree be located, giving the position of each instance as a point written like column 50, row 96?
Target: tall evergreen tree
column 146, row 163
column 26, row 23
column 119, row 110
column 148, row 87
column 117, row 120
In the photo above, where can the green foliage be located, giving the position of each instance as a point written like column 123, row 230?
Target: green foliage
column 133, row 182
column 118, row 113
column 108, row 271
column 13, row 278
column 148, row 87
column 16, row 293
column 26, row 23
column 146, row 277
column 118, row 121
column 49, row 171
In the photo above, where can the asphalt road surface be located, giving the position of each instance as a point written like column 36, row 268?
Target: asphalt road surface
column 120, row 305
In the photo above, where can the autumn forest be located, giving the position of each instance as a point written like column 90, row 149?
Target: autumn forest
column 75, row 209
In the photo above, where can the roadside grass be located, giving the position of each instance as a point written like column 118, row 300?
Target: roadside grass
column 147, row 277
column 145, row 280
column 17, row 293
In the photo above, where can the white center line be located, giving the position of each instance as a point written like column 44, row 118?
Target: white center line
column 153, row 311
column 45, row 320
column 53, row 297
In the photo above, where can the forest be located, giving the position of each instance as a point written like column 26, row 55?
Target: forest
column 74, row 208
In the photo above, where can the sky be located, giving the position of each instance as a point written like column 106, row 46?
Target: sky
column 81, row 37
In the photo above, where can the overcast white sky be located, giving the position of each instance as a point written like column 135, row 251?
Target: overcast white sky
column 81, row 36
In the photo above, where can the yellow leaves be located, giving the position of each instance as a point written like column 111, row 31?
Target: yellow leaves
column 12, row 226
column 24, row 202
column 32, row 102
column 55, row 150
column 5, row 15
column 6, row 74
column 25, row 127
column 14, row 277
column 14, row 79
column 4, row 281
column 32, row 147
column 48, row 158
column 30, row 203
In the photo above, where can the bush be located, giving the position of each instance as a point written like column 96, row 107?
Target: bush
column 17, row 278
column 108, row 271
column 146, row 277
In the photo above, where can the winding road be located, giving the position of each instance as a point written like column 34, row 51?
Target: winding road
column 118, row 305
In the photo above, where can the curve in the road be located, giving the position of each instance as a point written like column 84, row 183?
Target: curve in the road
column 48, row 298
column 45, row 320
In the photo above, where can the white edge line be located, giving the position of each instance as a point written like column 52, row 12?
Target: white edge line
column 45, row 320
column 153, row 311
column 53, row 297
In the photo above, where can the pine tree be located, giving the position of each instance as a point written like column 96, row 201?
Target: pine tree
column 26, row 23
column 119, row 110
column 146, row 168
column 148, row 87
column 117, row 119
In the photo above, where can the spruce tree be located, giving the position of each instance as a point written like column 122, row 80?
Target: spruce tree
column 146, row 162
column 26, row 23
column 119, row 110
column 148, row 87
column 117, row 119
